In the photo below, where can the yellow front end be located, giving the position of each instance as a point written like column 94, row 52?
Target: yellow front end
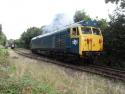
column 91, row 40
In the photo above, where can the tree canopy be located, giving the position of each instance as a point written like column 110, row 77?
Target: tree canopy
column 2, row 38
column 122, row 2
column 81, row 15
column 114, row 34
column 102, row 24
column 26, row 37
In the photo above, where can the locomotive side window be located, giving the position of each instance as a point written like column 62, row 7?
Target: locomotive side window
column 75, row 31
column 86, row 30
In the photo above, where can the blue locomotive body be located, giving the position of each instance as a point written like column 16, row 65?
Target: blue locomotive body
column 77, row 39
column 59, row 41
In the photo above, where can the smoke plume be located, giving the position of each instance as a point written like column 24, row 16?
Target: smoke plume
column 59, row 22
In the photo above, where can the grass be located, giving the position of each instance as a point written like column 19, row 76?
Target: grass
column 9, row 84
column 3, row 56
column 52, row 78
column 3, row 63
column 25, row 85
column 19, row 75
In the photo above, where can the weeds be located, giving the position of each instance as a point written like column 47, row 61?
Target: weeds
column 29, row 76
column 3, row 56
column 25, row 85
column 4, row 52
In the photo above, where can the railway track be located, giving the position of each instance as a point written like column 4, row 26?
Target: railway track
column 99, row 70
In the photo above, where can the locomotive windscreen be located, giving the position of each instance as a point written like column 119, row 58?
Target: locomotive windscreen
column 86, row 30
column 96, row 31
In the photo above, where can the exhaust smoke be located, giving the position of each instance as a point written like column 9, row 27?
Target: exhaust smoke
column 60, row 21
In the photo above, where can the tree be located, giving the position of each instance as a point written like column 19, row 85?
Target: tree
column 114, row 35
column 102, row 24
column 122, row 2
column 116, row 32
column 2, row 39
column 27, row 36
column 81, row 15
column 10, row 41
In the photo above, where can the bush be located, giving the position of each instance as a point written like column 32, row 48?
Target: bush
column 2, row 38
column 25, row 85
column 3, row 56
column 26, row 37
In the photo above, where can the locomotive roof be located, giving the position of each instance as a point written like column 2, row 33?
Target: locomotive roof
column 60, row 30
column 88, row 23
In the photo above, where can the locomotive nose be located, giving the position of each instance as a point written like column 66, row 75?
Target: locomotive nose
column 92, row 43
column 97, row 44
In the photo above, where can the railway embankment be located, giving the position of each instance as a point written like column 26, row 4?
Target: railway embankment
column 28, row 76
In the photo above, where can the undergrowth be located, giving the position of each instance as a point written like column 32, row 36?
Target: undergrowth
column 3, row 56
column 24, row 85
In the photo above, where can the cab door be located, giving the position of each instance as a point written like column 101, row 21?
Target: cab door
column 74, row 35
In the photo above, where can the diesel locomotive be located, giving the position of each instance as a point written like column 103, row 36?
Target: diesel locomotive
column 79, row 39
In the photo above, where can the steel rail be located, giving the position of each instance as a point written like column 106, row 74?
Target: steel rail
column 99, row 70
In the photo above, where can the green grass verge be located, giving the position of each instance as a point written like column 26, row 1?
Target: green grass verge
column 3, row 52
column 24, row 85
column 3, row 56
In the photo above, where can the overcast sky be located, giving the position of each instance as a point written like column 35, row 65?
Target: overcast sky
column 18, row 15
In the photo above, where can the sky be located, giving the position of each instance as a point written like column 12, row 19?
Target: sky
column 18, row 15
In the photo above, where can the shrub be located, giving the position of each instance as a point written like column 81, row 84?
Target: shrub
column 3, row 56
column 25, row 85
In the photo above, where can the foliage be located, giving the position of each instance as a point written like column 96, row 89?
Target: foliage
column 2, row 38
column 3, row 52
column 25, row 85
column 27, row 36
column 3, row 56
column 122, row 2
column 114, row 35
column 81, row 15
column 19, row 43
column 10, row 42
column 102, row 23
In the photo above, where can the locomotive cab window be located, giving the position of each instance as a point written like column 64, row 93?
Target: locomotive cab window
column 74, row 32
column 86, row 30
